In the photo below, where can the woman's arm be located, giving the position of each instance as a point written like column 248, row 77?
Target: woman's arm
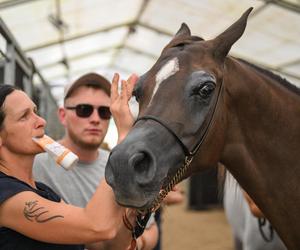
column 44, row 220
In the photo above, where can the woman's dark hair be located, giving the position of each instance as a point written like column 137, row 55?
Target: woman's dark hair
column 5, row 90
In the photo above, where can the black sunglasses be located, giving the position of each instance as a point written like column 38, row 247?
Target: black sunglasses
column 85, row 110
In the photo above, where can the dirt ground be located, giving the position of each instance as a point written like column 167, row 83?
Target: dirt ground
column 185, row 229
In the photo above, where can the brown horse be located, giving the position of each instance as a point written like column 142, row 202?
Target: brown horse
column 198, row 102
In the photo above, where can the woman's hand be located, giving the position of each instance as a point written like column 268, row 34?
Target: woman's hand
column 175, row 196
column 119, row 104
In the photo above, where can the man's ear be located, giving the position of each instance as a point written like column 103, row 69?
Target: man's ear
column 61, row 113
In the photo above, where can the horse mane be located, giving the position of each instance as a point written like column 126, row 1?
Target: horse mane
column 274, row 76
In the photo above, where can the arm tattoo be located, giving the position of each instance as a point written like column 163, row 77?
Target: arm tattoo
column 33, row 212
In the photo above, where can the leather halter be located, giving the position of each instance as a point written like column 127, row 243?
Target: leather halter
column 188, row 153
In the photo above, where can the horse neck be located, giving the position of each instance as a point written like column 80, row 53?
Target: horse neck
column 263, row 115
column 262, row 142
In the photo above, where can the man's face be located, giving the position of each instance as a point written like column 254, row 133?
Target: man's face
column 86, row 132
column 21, row 124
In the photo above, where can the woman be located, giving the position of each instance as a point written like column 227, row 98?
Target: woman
column 32, row 216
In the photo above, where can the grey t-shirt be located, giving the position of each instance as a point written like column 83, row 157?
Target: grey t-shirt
column 75, row 186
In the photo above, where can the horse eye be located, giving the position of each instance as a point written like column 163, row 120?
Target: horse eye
column 205, row 90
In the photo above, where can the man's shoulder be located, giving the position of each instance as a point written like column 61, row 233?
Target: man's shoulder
column 41, row 159
column 104, row 152
column 43, row 162
column 41, row 156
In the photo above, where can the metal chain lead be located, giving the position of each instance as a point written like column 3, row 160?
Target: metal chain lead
column 163, row 193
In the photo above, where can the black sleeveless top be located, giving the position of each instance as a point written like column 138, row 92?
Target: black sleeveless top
column 12, row 240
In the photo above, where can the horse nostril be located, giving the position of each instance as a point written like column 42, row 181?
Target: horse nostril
column 142, row 165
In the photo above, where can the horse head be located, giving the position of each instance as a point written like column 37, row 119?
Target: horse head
column 181, row 115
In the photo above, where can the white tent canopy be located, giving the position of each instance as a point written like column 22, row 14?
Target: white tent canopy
column 66, row 38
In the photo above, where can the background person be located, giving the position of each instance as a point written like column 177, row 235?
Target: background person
column 85, row 116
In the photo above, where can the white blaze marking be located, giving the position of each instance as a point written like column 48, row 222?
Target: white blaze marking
column 169, row 69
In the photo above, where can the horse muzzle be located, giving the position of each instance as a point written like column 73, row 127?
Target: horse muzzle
column 130, row 171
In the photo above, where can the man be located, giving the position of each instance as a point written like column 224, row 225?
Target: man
column 85, row 116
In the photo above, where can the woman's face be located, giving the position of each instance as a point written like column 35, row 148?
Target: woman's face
column 21, row 123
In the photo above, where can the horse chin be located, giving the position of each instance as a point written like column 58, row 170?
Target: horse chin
column 139, row 204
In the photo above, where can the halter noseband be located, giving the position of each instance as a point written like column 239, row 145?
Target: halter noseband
column 165, row 125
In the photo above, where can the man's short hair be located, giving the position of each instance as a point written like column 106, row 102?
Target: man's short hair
column 92, row 80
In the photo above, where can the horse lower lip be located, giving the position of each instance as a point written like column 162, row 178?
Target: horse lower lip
column 127, row 202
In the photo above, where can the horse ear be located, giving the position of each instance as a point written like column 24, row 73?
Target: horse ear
column 223, row 42
column 183, row 31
